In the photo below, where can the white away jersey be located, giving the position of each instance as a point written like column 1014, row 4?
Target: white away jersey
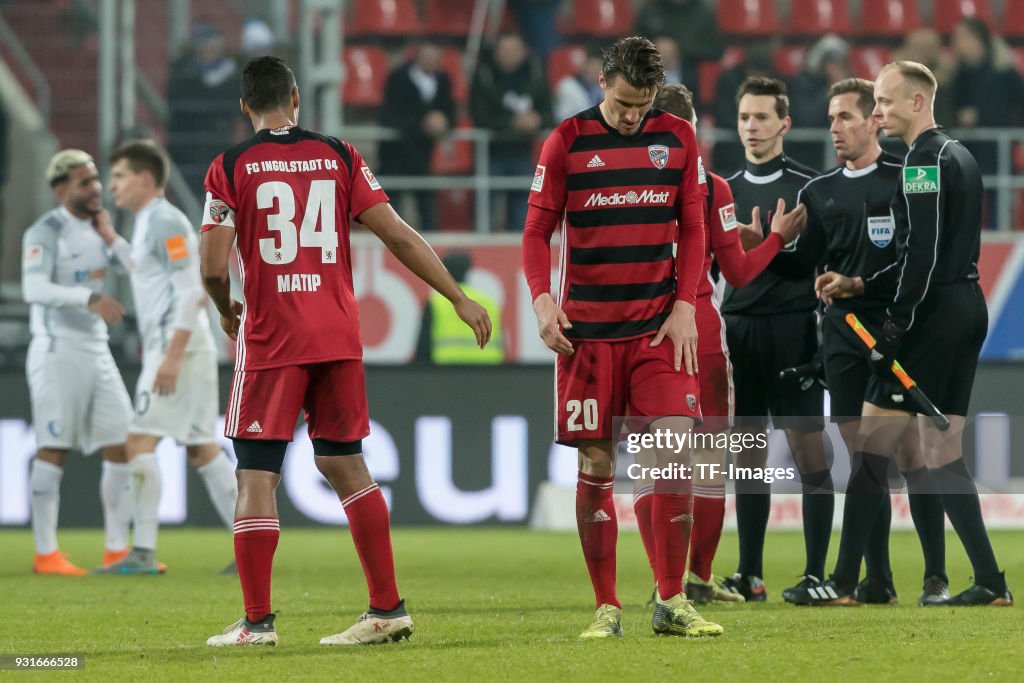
column 164, row 250
column 64, row 262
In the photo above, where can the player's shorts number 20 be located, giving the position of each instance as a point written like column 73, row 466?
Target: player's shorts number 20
column 319, row 208
column 585, row 409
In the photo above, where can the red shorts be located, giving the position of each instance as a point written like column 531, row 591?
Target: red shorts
column 265, row 404
column 717, row 402
column 604, row 380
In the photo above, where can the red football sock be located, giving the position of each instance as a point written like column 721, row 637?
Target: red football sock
column 370, row 524
column 599, row 530
column 642, row 499
column 255, row 543
column 672, row 517
column 708, row 516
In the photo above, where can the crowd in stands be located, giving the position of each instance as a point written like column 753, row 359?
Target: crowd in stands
column 542, row 67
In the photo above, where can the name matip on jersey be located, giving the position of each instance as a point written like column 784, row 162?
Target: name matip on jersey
column 761, row 185
column 288, row 194
column 620, row 199
column 850, row 229
column 163, row 241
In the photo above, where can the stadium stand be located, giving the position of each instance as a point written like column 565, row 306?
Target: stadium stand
column 946, row 14
column 868, row 60
column 748, row 17
column 815, row 17
column 1013, row 20
column 366, row 71
column 564, row 61
column 888, row 18
column 391, row 18
column 598, row 18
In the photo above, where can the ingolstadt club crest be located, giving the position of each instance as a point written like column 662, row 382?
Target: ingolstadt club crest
column 658, row 154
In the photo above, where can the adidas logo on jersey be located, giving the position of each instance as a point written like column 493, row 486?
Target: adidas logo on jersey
column 255, row 428
column 595, row 162
column 631, row 197
column 599, row 516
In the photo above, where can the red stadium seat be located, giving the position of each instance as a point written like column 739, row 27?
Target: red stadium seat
column 868, row 60
column 451, row 62
column 366, row 70
column 384, row 18
column 708, row 72
column 455, row 210
column 565, row 61
column 946, row 14
column 605, row 18
column 1013, row 19
column 815, row 17
column 888, row 18
column 748, row 17
column 453, row 157
column 449, row 17
column 789, row 59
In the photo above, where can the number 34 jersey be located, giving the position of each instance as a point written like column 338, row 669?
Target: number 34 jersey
column 288, row 194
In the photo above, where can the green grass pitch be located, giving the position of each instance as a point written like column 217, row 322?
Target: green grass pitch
column 489, row 604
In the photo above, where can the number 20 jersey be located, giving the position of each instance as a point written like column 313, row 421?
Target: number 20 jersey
column 288, row 194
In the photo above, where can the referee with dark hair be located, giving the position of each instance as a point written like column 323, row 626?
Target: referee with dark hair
column 850, row 230
column 935, row 325
column 771, row 325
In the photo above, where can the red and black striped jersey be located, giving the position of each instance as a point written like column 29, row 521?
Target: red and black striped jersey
column 621, row 199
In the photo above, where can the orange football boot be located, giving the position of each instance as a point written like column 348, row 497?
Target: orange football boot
column 56, row 563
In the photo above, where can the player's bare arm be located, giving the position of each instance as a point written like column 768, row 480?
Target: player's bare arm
column 415, row 254
column 832, row 285
column 551, row 320
column 214, row 255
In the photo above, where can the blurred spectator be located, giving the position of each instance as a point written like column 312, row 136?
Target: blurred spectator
column 924, row 45
column 581, row 90
column 418, row 102
column 257, row 38
column 203, row 98
column 538, row 24
column 510, row 97
column 987, row 93
column 758, row 60
column 669, row 49
column 692, row 24
column 827, row 62
column 444, row 339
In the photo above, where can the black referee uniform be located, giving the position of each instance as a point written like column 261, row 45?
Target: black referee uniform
column 850, row 230
column 938, row 301
column 770, row 323
column 933, row 288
